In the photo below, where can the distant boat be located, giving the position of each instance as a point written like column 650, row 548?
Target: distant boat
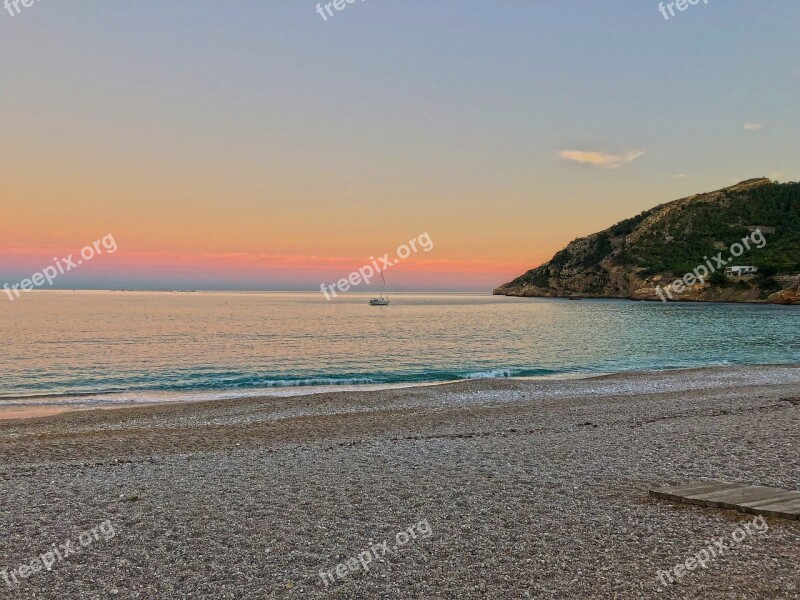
column 382, row 301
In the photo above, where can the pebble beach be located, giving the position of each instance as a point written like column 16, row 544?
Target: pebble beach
column 526, row 489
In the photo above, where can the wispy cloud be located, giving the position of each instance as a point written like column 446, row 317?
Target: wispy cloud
column 752, row 126
column 679, row 175
column 600, row 159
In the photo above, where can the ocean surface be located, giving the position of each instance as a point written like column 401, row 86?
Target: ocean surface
column 96, row 348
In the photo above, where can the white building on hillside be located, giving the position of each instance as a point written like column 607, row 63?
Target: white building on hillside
column 747, row 271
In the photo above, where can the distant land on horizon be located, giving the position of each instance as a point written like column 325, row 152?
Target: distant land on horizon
column 641, row 257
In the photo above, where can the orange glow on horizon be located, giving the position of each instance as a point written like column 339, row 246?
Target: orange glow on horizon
column 418, row 269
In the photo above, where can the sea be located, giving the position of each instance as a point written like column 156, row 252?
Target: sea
column 94, row 348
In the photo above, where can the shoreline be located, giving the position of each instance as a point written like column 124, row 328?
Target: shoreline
column 29, row 411
column 21, row 410
column 651, row 300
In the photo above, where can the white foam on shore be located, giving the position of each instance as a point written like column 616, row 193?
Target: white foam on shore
column 493, row 374
column 167, row 397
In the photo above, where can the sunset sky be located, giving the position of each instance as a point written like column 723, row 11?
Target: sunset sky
column 253, row 145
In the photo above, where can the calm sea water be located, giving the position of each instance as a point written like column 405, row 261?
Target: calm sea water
column 110, row 347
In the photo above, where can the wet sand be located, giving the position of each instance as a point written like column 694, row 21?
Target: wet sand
column 531, row 489
column 30, row 412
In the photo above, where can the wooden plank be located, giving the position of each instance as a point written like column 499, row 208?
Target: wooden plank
column 698, row 496
column 742, row 495
column 680, row 491
column 782, row 497
column 754, row 499
column 789, row 509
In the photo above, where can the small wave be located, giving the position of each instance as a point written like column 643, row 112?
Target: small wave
column 493, row 374
column 223, row 385
column 209, row 384
column 317, row 381
column 294, row 387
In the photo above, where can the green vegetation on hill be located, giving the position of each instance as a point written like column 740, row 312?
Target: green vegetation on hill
column 679, row 243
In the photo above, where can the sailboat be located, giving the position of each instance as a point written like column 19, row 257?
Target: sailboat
column 380, row 301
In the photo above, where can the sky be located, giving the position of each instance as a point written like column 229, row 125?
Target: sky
column 259, row 146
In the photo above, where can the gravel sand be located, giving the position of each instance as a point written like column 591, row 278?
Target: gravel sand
column 511, row 489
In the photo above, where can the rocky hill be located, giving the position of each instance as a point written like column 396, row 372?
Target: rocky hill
column 641, row 258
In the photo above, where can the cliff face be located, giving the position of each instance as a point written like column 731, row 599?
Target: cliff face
column 633, row 258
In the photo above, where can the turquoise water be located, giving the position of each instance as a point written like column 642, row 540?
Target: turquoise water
column 105, row 347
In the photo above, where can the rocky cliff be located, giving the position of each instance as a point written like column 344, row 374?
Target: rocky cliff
column 692, row 239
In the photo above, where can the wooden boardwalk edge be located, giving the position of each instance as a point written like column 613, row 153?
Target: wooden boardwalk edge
column 752, row 499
